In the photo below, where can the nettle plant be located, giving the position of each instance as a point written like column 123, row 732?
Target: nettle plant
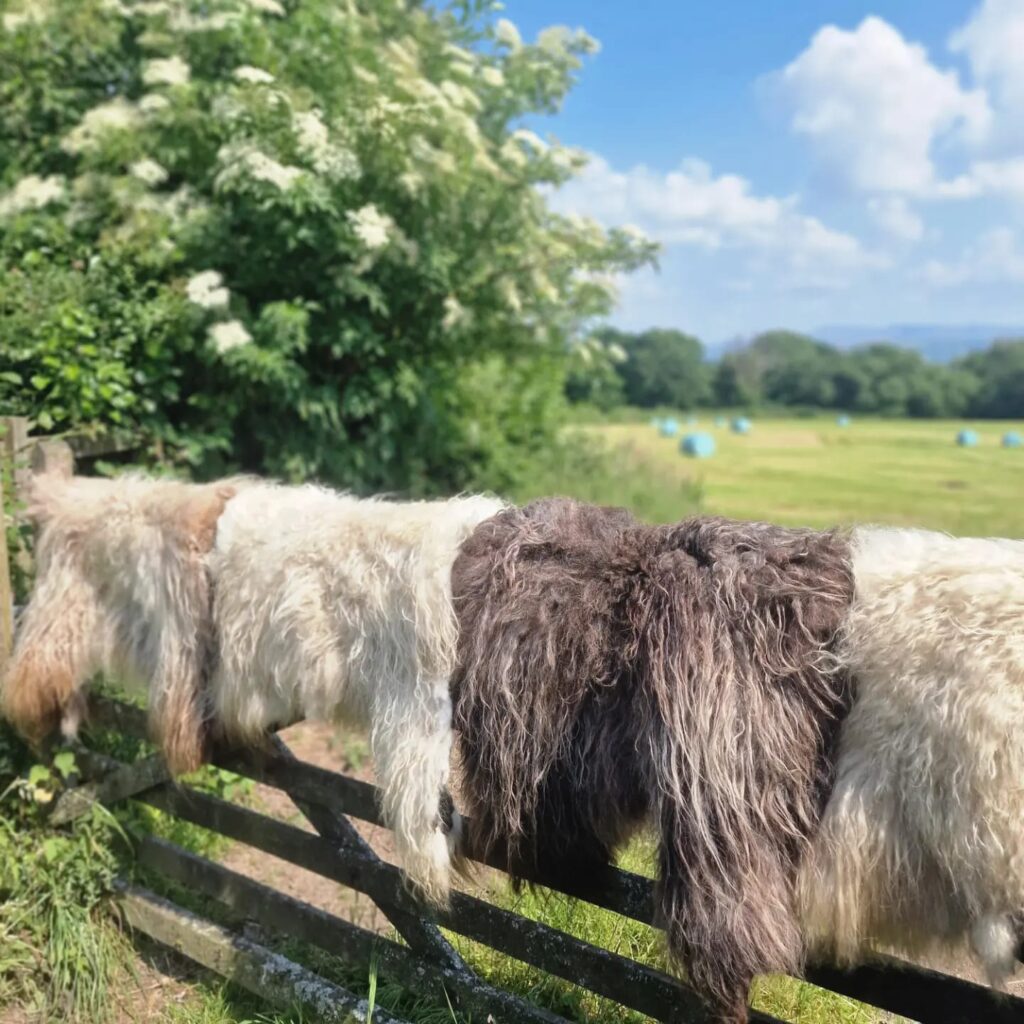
column 299, row 237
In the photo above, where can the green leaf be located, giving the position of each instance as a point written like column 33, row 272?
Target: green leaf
column 65, row 763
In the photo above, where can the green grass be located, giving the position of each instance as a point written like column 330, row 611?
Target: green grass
column 810, row 471
column 609, row 471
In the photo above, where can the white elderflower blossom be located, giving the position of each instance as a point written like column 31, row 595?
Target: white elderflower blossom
column 460, row 96
column 33, row 12
column 166, row 71
column 115, row 114
column 32, row 193
column 149, row 172
column 423, row 90
column 531, row 139
column 544, row 288
column 204, row 20
column 411, row 181
column 455, row 314
column 254, row 76
column 153, row 40
column 510, row 294
column 153, row 103
column 313, row 139
column 310, row 132
column 459, row 53
column 512, row 153
column 206, row 289
column 493, row 77
column 554, row 38
column 372, row 227
column 568, row 158
column 422, row 150
column 151, row 8
column 507, row 34
column 405, row 52
column 635, row 234
column 13, row 20
column 228, row 335
column 243, row 159
column 267, row 7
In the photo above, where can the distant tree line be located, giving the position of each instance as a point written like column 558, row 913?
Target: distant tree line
column 790, row 370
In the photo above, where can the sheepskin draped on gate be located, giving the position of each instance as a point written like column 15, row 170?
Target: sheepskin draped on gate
column 611, row 673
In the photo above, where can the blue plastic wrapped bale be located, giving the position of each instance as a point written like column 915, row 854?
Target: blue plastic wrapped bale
column 669, row 428
column 741, row 425
column 698, row 446
column 1011, row 439
column 720, row 421
column 967, row 439
column 843, row 420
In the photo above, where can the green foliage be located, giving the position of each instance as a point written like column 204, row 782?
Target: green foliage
column 661, row 367
column 60, row 951
column 999, row 373
column 299, row 238
column 786, row 370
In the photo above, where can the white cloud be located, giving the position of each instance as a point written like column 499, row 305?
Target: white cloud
column 691, row 206
column 874, row 106
column 999, row 177
column 995, row 258
column 895, row 217
column 993, row 42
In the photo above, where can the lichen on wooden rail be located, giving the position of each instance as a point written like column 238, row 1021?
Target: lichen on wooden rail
column 289, row 916
column 259, row 970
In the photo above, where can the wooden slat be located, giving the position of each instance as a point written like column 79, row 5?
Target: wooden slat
column 625, row 893
column 274, row 910
column 255, row 968
column 422, row 935
column 326, row 817
column 109, row 443
column 111, row 782
column 923, row 995
column 608, row 974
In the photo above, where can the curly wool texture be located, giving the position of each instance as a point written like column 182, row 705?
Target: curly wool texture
column 338, row 609
column 922, row 841
column 611, row 673
column 121, row 587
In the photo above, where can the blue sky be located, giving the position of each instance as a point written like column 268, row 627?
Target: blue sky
column 803, row 163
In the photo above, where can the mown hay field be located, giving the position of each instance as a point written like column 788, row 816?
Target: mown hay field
column 813, row 472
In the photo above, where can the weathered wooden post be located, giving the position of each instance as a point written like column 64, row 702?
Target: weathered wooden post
column 13, row 431
column 20, row 457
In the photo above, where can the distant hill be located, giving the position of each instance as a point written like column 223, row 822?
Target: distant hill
column 937, row 342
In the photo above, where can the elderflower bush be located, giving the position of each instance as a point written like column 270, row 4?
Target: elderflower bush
column 299, row 238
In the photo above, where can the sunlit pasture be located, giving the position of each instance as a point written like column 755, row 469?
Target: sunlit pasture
column 811, row 471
